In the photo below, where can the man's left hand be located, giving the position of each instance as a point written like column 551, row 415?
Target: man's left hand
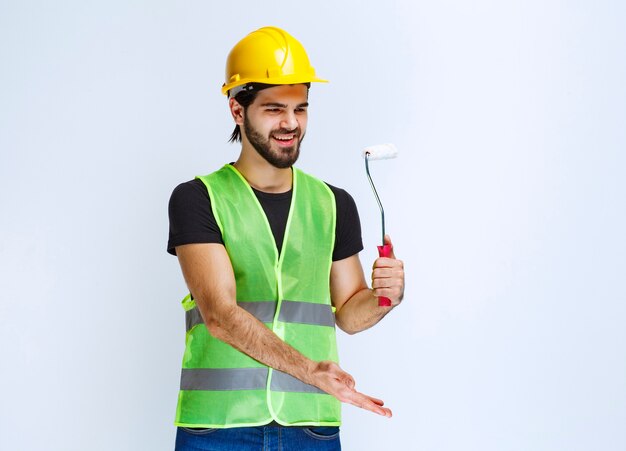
column 388, row 276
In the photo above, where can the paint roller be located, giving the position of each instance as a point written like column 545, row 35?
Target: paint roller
column 380, row 152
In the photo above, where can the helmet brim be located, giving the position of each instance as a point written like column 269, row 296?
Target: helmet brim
column 286, row 80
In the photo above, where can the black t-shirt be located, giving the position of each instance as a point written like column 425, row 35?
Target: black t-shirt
column 192, row 220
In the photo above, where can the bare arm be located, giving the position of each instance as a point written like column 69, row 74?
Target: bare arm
column 356, row 304
column 209, row 275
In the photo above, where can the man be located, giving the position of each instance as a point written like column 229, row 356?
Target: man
column 270, row 256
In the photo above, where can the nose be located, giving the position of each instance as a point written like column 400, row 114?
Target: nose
column 289, row 121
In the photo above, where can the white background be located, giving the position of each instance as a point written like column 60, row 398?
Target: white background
column 506, row 204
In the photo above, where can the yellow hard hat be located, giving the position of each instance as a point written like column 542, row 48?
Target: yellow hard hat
column 268, row 55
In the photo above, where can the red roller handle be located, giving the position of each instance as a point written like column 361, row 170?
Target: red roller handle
column 384, row 251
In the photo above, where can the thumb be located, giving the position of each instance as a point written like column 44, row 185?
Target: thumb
column 390, row 244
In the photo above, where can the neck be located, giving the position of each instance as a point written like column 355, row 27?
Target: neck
column 261, row 175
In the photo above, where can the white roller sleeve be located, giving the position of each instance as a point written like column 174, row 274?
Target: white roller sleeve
column 381, row 152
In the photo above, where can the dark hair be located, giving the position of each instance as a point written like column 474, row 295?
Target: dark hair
column 245, row 98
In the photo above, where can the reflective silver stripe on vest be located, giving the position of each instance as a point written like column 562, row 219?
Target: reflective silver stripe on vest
column 262, row 310
column 290, row 312
column 223, row 379
column 193, row 318
column 287, row 383
column 306, row 313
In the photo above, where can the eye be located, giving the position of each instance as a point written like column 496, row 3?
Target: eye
column 301, row 110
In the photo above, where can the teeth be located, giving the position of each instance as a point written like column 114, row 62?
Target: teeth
column 284, row 138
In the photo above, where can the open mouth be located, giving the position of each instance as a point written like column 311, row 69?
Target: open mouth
column 287, row 139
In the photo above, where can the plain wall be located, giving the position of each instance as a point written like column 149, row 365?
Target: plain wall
column 506, row 204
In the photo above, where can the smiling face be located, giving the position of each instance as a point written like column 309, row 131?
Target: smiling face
column 275, row 123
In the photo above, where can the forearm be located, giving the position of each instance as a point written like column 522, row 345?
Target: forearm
column 244, row 332
column 360, row 312
column 209, row 276
column 240, row 329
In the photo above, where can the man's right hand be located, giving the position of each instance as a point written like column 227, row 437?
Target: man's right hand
column 329, row 377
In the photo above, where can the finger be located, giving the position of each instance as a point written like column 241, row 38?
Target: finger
column 393, row 293
column 387, row 282
column 382, row 283
column 386, row 262
column 376, row 401
column 388, row 273
column 383, row 262
column 364, row 402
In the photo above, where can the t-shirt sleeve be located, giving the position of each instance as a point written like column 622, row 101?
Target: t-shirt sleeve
column 191, row 217
column 348, row 240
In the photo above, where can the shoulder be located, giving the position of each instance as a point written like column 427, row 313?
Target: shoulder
column 342, row 197
column 348, row 240
column 190, row 188
column 190, row 215
column 188, row 194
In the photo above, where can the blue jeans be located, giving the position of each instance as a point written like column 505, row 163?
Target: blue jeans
column 264, row 438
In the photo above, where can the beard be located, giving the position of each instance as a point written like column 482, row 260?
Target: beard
column 281, row 158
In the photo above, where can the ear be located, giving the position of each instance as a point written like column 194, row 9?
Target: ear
column 236, row 111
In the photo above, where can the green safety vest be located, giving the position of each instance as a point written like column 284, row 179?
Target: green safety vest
column 222, row 387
